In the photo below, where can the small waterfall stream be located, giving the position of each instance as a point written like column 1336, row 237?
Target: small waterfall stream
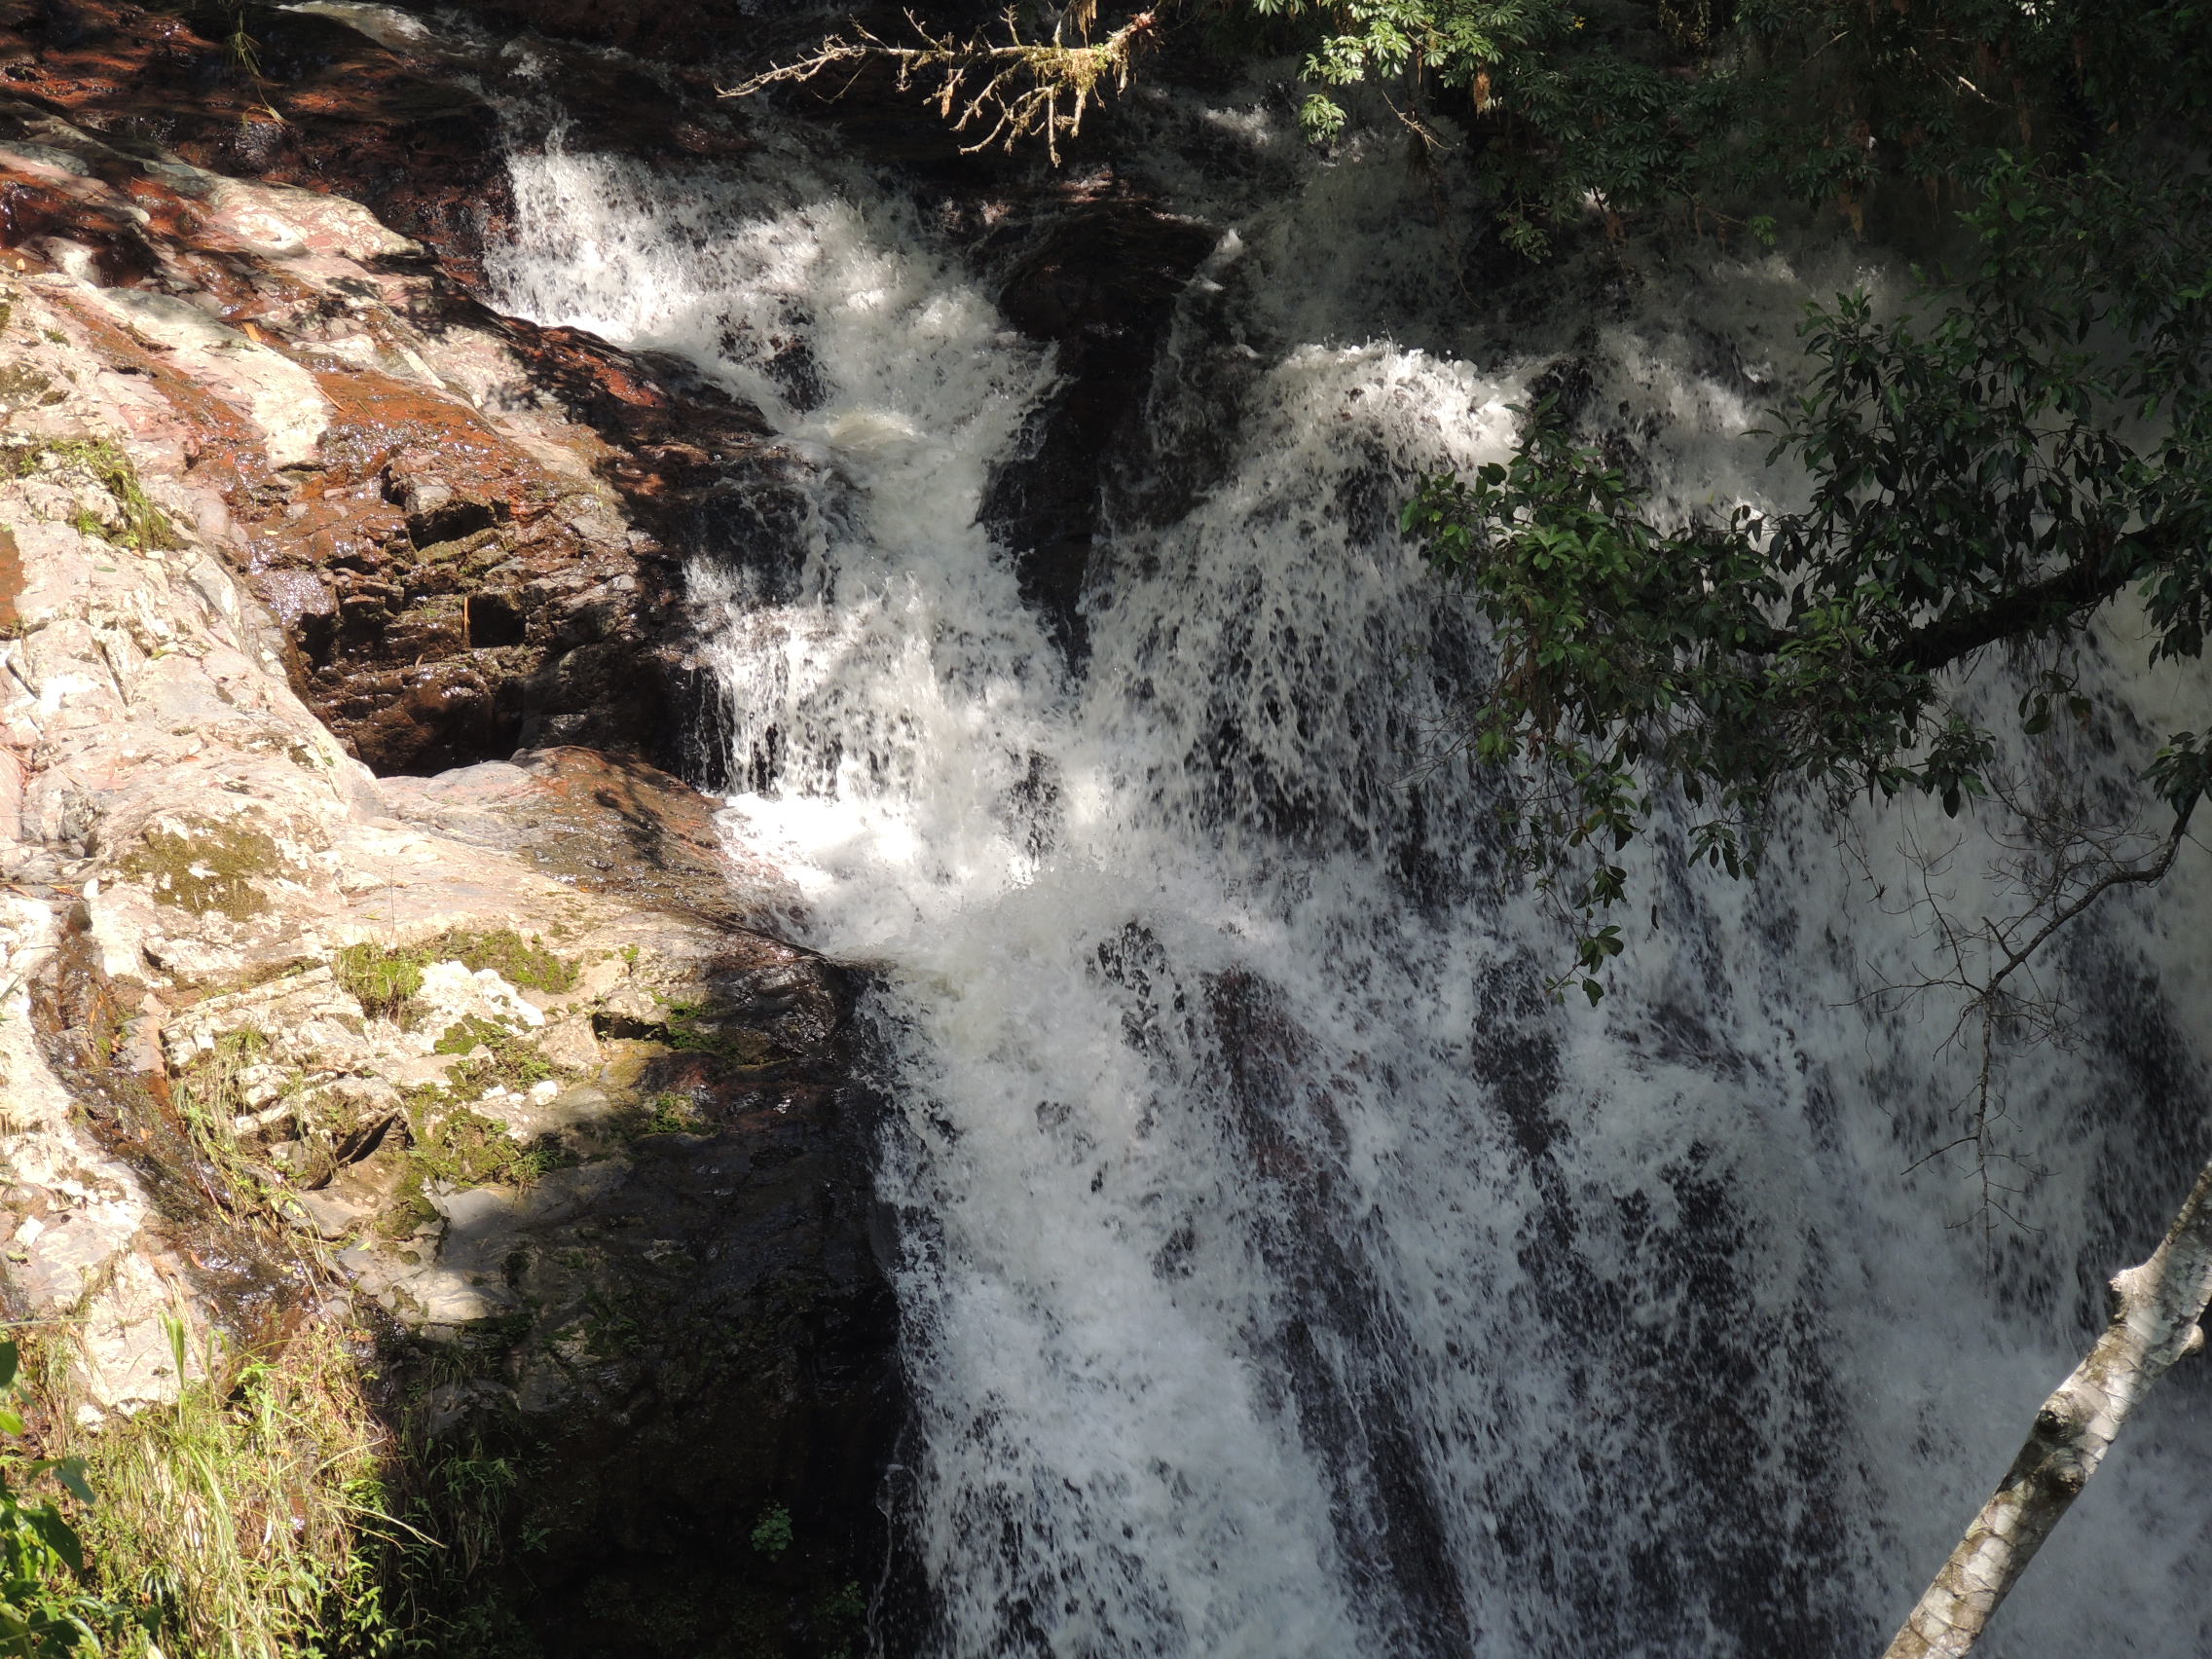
column 1282, row 1274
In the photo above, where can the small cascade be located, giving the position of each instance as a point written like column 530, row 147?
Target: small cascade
column 1284, row 1274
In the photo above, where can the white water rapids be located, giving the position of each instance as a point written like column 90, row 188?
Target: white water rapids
column 1282, row 1275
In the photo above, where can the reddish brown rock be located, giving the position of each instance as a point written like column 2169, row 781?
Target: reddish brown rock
column 331, row 109
column 464, row 521
column 606, row 823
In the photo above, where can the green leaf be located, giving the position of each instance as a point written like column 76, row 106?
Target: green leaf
column 60, row 1537
column 70, row 1472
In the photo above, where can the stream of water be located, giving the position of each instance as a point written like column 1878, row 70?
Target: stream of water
column 1284, row 1276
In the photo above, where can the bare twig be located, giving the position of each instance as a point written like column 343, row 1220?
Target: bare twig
column 2126, row 875
column 1009, row 92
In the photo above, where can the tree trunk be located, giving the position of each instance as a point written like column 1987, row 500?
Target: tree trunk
column 2155, row 1308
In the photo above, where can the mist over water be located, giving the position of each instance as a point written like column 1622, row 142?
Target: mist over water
column 1284, row 1274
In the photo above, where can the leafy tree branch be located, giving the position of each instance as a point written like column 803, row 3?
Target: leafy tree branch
column 1995, row 476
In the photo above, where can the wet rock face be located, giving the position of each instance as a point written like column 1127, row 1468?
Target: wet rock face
column 333, row 109
column 452, row 596
column 461, row 520
column 498, row 1037
column 1098, row 281
column 685, row 30
column 607, row 822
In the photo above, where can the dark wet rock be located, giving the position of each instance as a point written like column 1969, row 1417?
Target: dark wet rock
column 684, row 1318
column 688, row 31
column 1098, row 280
column 685, row 28
column 699, row 1338
column 331, row 109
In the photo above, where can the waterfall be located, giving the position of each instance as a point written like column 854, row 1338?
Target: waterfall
column 1282, row 1274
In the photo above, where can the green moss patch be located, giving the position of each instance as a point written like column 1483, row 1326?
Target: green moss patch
column 380, row 980
column 462, row 1149
column 700, row 1028
column 508, row 1058
column 207, row 865
column 383, row 979
column 139, row 523
column 669, row 1114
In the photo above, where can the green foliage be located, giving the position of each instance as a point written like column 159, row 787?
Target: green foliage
column 461, row 1498
column 1824, row 101
column 1992, row 476
column 244, row 1515
column 772, row 1535
column 380, row 980
column 508, row 1059
column 459, row 1149
column 1613, row 639
column 1457, row 41
column 1560, row 116
column 208, row 1098
column 524, row 963
column 46, row 1612
column 663, row 1114
column 137, row 524
column 468, row 1488
column 384, row 977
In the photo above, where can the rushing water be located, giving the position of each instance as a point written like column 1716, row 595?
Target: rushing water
column 1284, row 1274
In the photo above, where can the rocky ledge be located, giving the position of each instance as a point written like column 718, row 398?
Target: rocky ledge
column 472, row 527
column 357, row 967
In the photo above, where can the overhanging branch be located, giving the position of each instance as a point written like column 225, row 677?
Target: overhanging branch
column 1013, row 89
column 2036, row 609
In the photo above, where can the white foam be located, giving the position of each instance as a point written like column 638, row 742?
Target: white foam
column 1283, row 1277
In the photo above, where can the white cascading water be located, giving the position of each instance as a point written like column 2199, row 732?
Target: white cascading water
column 1283, row 1276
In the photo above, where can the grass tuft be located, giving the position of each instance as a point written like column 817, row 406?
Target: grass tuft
column 251, row 1512
column 384, row 977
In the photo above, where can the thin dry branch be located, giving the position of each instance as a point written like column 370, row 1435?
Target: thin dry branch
column 2062, row 861
column 1011, row 91
column 2123, row 877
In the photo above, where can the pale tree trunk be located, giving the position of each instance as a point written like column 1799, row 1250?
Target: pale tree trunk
column 2155, row 1308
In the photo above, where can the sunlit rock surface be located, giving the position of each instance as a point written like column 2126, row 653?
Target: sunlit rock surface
column 498, row 1056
